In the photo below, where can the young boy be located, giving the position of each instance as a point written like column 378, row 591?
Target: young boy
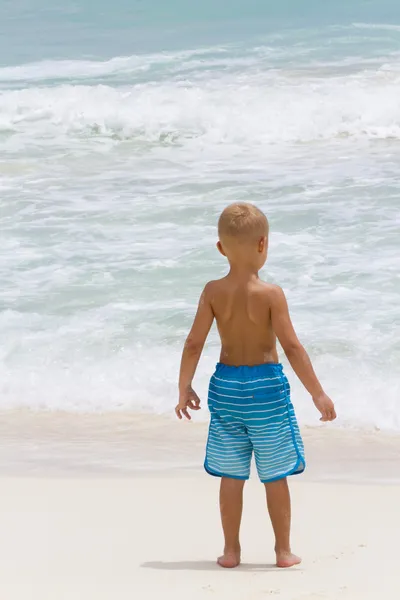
column 249, row 395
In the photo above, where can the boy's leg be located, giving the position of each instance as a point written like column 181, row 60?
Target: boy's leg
column 231, row 505
column 278, row 501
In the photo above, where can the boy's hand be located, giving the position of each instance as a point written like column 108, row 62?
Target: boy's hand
column 187, row 399
column 325, row 407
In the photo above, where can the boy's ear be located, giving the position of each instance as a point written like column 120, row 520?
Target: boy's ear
column 220, row 248
column 262, row 244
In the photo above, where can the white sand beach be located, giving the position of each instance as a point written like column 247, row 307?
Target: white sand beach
column 156, row 537
column 78, row 525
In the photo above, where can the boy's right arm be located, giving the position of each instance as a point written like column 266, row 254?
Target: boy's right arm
column 191, row 354
column 296, row 354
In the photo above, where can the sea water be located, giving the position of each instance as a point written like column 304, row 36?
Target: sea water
column 126, row 127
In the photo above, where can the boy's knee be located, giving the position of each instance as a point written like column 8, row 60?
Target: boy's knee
column 280, row 483
column 232, row 483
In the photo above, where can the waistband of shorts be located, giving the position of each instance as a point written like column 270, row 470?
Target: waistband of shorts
column 244, row 372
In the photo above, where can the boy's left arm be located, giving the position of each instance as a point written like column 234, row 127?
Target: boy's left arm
column 191, row 355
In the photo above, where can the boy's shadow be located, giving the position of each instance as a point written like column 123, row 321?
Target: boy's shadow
column 206, row 565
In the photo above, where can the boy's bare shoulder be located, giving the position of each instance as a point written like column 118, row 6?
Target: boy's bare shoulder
column 264, row 287
column 270, row 287
column 213, row 286
column 271, row 291
column 267, row 292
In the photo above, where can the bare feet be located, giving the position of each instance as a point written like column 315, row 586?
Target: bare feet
column 285, row 560
column 229, row 560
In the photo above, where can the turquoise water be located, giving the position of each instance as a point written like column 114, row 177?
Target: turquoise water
column 41, row 30
column 124, row 131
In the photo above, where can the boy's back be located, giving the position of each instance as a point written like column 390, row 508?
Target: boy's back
column 242, row 308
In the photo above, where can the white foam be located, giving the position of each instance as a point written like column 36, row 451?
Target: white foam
column 378, row 26
column 65, row 69
column 246, row 110
column 145, row 379
column 120, row 65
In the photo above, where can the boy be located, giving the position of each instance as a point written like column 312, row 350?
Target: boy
column 249, row 395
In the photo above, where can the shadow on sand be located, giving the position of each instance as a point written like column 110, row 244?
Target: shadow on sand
column 206, row 565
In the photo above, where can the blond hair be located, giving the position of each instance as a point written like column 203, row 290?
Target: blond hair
column 242, row 221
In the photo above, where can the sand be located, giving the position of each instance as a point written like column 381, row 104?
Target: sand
column 81, row 534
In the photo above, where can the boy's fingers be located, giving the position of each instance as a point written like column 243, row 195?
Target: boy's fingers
column 329, row 415
column 193, row 406
column 182, row 411
column 185, row 412
column 195, row 400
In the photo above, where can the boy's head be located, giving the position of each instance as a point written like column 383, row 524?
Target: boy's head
column 243, row 234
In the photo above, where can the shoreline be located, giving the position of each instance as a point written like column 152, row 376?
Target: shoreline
column 131, row 444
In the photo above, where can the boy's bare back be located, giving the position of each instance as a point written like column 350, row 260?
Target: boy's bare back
column 243, row 311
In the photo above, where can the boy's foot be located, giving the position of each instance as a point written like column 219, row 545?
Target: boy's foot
column 284, row 560
column 229, row 560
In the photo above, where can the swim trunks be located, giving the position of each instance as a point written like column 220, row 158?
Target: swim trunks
column 251, row 411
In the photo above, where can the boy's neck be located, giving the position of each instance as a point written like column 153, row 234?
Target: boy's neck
column 243, row 272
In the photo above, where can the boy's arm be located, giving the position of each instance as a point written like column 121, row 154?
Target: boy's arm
column 297, row 355
column 191, row 354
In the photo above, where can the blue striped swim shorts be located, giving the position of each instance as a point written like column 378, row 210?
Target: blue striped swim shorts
column 251, row 411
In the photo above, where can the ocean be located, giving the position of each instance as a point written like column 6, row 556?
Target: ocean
column 126, row 127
